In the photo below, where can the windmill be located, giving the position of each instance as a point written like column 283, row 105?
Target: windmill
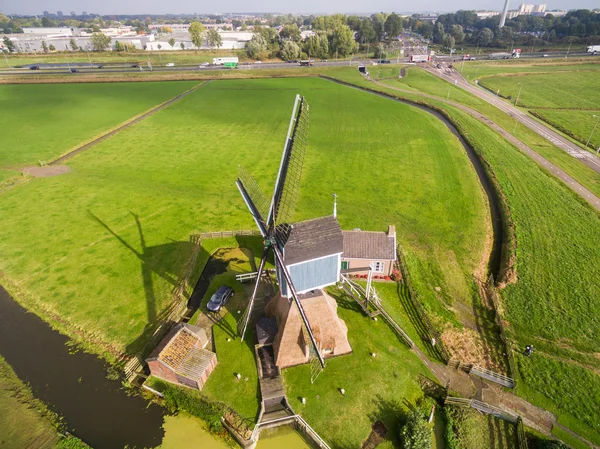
column 274, row 222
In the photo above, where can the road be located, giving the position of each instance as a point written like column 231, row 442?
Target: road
column 454, row 77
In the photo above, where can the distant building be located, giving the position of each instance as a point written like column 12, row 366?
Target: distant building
column 181, row 357
column 62, row 31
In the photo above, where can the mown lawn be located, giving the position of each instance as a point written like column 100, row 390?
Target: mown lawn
column 103, row 246
column 24, row 420
column 43, row 121
column 572, row 90
column 555, row 300
column 376, row 388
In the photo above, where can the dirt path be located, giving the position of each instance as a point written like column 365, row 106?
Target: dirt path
column 138, row 119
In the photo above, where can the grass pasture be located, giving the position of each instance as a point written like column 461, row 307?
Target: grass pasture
column 45, row 121
column 579, row 124
column 102, row 246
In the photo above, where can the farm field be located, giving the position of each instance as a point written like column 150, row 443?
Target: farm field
column 108, row 241
column 49, row 120
column 24, row 421
column 554, row 302
column 577, row 124
column 476, row 69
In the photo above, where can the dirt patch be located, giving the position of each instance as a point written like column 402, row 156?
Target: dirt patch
column 467, row 346
column 377, row 436
column 46, row 171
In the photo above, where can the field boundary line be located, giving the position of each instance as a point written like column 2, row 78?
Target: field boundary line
column 122, row 126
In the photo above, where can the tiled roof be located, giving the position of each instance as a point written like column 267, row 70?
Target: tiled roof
column 312, row 239
column 182, row 351
column 369, row 245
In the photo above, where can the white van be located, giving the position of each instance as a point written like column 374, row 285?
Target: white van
column 171, row 64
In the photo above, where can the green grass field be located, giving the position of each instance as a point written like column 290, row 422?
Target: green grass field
column 46, row 121
column 554, row 302
column 376, row 388
column 103, row 246
column 24, row 420
column 474, row 430
column 580, row 124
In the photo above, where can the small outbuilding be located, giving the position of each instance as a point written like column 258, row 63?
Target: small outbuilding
column 364, row 249
column 182, row 358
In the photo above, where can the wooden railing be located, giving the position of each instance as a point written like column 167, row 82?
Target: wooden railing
column 314, row 436
column 493, row 376
column 483, row 408
column 224, row 234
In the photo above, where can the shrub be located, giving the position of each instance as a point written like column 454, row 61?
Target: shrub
column 415, row 434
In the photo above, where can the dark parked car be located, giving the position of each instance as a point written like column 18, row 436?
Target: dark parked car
column 219, row 299
column 135, row 66
column 74, row 70
column 385, row 61
column 34, row 67
column 100, row 66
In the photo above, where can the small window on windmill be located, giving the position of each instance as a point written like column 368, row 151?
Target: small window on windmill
column 362, row 69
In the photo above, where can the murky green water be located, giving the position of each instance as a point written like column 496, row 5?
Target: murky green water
column 186, row 432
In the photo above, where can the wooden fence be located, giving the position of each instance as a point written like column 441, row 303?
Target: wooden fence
column 440, row 347
column 224, row 234
column 493, row 376
column 492, row 293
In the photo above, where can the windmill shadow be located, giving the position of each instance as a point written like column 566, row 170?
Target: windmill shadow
column 154, row 260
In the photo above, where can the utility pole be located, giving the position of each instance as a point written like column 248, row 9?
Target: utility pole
column 594, row 129
column 519, row 94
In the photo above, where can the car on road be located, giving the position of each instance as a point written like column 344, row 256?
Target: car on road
column 34, row 67
column 471, row 58
column 100, row 67
column 204, row 64
column 219, row 298
column 385, row 61
column 135, row 66
column 257, row 62
column 438, row 66
column 170, row 64
column 74, row 70
column 545, row 55
column 324, row 60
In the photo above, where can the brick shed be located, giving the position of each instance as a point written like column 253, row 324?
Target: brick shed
column 181, row 357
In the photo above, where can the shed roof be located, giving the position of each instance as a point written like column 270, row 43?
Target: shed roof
column 312, row 239
column 369, row 245
column 183, row 351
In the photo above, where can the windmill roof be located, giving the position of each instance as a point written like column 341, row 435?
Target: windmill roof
column 369, row 245
column 312, row 239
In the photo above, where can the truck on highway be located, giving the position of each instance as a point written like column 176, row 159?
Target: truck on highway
column 419, row 58
column 515, row 54
column 227, row 62
column 593, row 49
column 307, row 63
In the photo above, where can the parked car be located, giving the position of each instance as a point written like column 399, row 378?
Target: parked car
column 545, row 55
column 74, row 70
column 135, row 66
column 472, row 58
column 34, row 67
column 385, row 61
column 438, row 66
column 324, row 60
column 100, row 66
column 220, row 297
column 204, row 64
column 257, row 62
column 170, row 64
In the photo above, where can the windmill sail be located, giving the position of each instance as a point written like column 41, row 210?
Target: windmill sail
column 287, row 186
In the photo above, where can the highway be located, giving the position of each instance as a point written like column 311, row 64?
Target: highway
column 574, row 150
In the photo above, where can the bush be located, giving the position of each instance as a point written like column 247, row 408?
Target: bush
column 415, row 434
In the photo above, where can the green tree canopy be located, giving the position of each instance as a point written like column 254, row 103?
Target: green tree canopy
column 45, row 46
column 257, row 47
column 213, row 39
column 317, row 46
column 8, row 44
column 73, row 44
column 289, row 50
column 457, row 33
column 197, row 31
column 343, row 40
column 99, row 41
column 172, row 42
column 393, row 25
column 485, row 37
column 290, row 32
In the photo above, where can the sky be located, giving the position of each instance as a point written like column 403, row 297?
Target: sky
column 305, row 6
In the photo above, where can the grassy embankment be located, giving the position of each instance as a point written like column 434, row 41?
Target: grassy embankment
column 568, row 102
column 554, row 302
column 430, row 84
column 48, row 121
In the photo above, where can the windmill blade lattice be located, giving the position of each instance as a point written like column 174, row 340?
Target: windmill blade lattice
column 242, row 323
column 259, row 199
column 286, row 194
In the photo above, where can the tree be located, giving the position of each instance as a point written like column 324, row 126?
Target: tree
column 289, row 50
column 343, row 40
column 485, row 37
column 119, row 46
column 182, row 45
column 213, row 39
column 290, row 32
column 197, row 31
column 47, row 23
column 393, row 25
column 438, row 33
column 379, row 51
column 256, row 47
column 457, row 33
column 8, row 44
column 52, row 47
column 378, row 21
column 73, row 44
column 366, row 32
column 159, row 46
column 415, row 434
column 172, row 42
column 317, row 46
column 449, row 41
column 45, row 46
column 99, row 41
